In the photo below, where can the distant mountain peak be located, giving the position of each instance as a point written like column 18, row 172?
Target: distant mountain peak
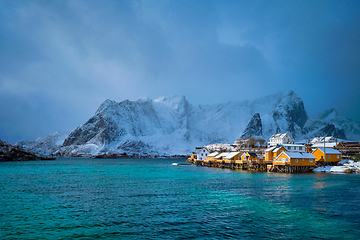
column 330, row 113
column 173, row 98
column 107, row 103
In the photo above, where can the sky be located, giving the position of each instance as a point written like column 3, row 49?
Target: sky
column 59, row 60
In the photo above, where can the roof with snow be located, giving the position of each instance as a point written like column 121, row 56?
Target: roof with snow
column 278, row 148
column 329, row 150
column 213, row 154
column 200, row 148
column 321, row 139
column 299, row 155
column 270, row 149
column 231, row 155
column 327, row 145
column 224, row 154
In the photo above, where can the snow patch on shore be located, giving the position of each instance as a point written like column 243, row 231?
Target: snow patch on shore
column 347, row 166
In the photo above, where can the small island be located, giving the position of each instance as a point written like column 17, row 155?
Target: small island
column 10, row 153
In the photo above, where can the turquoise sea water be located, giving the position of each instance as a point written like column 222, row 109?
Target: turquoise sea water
column 151, row 199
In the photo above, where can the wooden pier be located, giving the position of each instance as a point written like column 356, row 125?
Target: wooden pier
column 252, row 166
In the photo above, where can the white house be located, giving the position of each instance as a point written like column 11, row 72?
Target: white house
column 295, row 147
column 326, row 144
column 202, row 153
column 321, row 140
column 280, row 138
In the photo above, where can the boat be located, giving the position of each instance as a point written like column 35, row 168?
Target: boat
column 178, row 164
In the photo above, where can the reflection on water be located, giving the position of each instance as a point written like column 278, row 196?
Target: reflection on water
column 319, row 185
column 151, row 199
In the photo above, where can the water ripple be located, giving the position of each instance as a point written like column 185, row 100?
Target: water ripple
column 149, row 199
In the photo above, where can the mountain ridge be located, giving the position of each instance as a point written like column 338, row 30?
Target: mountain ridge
column 172, row 125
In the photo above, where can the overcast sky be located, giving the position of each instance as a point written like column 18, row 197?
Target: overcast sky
column 59, row 60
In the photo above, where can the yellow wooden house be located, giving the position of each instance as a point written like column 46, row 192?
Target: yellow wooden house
column 260, row 159
column 211, row 157
column 232, row 157
column 248, row 157
column 302, row 159
column 332, row 155
column 273, row 152
column 192, row 158
column 220, row 158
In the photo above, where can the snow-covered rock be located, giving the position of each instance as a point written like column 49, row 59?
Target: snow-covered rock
column 346, row 166
column 47, row 145
column 331, row 123
column 254, row 128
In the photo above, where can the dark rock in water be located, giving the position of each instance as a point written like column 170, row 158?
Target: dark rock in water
column 10, row 153
column 123, row 155
column 254, row 127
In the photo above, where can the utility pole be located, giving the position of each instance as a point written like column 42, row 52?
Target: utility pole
column 324, row 152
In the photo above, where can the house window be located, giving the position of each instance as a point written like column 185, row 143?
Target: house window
column 328, row 156
column 338, row 156
column 289, row 147
column 300, row 148
column 294, row 148
column 287, row 159
column 283, row 159
column 296, row 160
column 311, row 160
column 201, row 154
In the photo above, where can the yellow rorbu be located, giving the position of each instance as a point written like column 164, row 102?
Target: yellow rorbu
column 303, row 159
column 333, row 156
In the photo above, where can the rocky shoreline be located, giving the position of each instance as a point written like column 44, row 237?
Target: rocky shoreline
column 10, row 153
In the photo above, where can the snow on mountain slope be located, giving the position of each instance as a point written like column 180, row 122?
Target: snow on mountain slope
column 145, row 126
column 171, row 125
column 330, row 122
column 46, row 145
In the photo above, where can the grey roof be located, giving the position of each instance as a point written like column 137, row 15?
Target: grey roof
column 299, row 155
column 330, row 151
column 327, row 145
column 293, row 145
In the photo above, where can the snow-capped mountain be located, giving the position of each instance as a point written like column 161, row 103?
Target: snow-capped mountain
column 47, row 145
column 145, row 126
column 331, row 123
column 171, row 125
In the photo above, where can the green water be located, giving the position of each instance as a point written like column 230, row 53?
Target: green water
column 151, row 199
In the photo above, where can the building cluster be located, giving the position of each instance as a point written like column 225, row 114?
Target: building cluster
column 282, row 155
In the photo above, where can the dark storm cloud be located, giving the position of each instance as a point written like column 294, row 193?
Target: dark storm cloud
column 60, row 59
